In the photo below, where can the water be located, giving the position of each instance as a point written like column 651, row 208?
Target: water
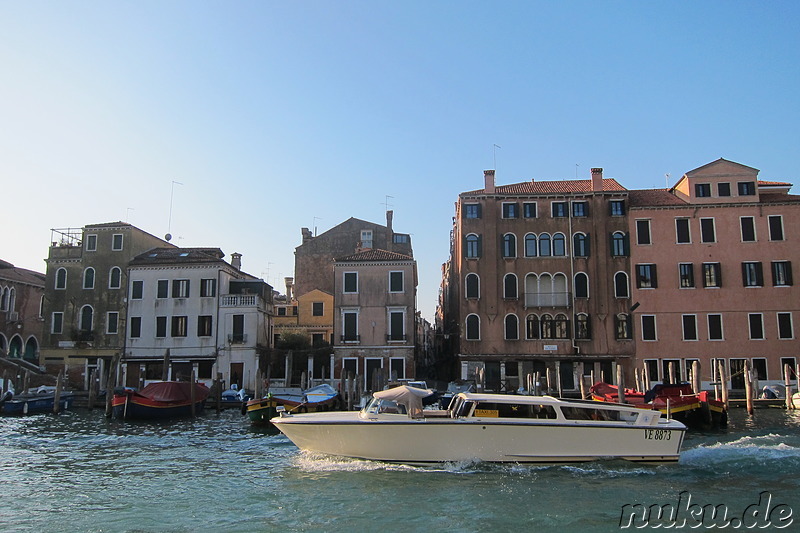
column 80, row 472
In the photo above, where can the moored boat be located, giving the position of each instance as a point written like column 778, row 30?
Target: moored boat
column 320, row 398
column 41, row 400
column 394, row 427
column 160, row 400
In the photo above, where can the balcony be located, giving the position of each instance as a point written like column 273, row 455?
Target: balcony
column 240, row 300
column 548, row 299
column 237, row 338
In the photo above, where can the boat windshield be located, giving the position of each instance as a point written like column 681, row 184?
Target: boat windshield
column 460, row 407
column 378, row 406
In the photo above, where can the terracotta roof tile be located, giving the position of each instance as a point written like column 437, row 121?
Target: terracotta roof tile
column 551, row 187
column 653, row 198
column 375, row 255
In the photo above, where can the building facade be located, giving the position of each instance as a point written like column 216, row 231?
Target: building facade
column 21, row 313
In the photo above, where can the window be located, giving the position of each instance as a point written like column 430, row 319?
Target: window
column 715, row 327
column 530, row 245
column 399, row 238
column 88, row 278
column 643, row 232
column 473, row 328
column 350, row 326
column 205, row 325
column 616, row 208
column 707, row 233
column 581, row 285
column 622, row 327
column 509, row 245
column 559, row 209
column 396, row 281
column 57, row 325
column 136, row 327
column 366, row 238
column 582, row 327
column 473, row 286
column 473, row 246
column 702, row 190
column 511, row 328
column 115, row 278
column 180, row 288
column 686, row 275
column 112, row 323
column 350, row 282
column 179, row 324
column 748, row 227
column 532, row 327
column 529, row 210
column 775, row 227
column 619, row 244
column 61, row 278
column 317, row 308
column 712, row 275
column 116, row 242
column 723, row 189
column 161, row 327
column 208, row 288
column 580, row 245
column 91, row 243
column 559, row 245
column 648, row 328
column 746, row 188
column 759, row 368
column 163, row 288
column 472, row 210
column 396, row 325
column 756, row 321
column 580, row 209
column 781, row 273
column 510, row 210
column 510, row 287
column 689, row 327
column 621, row 289
column 544, row 245
column 785, row 330
column 752, row 275
column 237, row 335
column 646, row 276
column 87, row 318
column 281, row 311
column 682, row 235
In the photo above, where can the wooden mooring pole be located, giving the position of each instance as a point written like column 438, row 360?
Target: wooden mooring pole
column 723, row 382
column 787, row 382
column 696, row 377
column 620, row 384
column 748, row 386
column 193, row 392
column 582, row 381
column 57, row 397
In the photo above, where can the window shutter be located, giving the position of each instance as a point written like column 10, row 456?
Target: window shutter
column 627, row 245
column 480, row 245
column 611, row 242
column 655, row 276
column 638, row 277
column 789, row 273
column 719, row 274
column 586, row 242
column 744, row 274
column 759, row 275
column 480, row 215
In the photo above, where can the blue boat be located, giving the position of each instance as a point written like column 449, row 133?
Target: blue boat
column 42, row 400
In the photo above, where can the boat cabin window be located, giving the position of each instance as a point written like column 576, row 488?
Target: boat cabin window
column 460, row 407
column 385, row 407
column 513, row 410
column 588, row 413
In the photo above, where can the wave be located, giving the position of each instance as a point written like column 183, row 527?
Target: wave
column 756, row 449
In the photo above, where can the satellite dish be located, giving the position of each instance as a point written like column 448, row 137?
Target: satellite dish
column 168, row 236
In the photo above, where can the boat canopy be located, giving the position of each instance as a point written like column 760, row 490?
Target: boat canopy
column 171, row 391
column 410, row 397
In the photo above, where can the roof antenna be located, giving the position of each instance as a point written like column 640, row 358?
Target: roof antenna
column 494, row 154
column 315, row 225
column 666, row 179
column 576, row 170
column 386, row 203
column 168, row 236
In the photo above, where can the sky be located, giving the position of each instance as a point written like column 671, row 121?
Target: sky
column 235, row 124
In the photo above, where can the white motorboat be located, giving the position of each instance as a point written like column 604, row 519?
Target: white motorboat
column 394, row 427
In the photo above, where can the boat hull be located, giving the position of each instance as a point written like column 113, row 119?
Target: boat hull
column 261, row 411
column 438, row 440
column 35, row 404
column 137, row 408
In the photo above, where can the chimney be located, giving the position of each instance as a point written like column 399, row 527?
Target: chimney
column 289, row 289
column 597, row 179
column 390, row 231
column 488, row 179
column 307, row 235
column 236, row 260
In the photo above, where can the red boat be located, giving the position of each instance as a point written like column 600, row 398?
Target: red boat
column 695, row 410
column 163, row 399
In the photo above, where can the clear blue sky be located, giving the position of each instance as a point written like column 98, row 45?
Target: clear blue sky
column 273, row 113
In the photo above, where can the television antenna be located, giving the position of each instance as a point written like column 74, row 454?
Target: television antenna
column 168, row 236
column 494, row 155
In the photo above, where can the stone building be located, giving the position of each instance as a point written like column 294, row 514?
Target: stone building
column 21, row 318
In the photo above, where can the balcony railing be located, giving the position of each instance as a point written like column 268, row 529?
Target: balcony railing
column 237, row 338
column 548, row 299
column 240, row 300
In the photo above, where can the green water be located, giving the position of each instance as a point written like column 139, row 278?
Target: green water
column 79, row 472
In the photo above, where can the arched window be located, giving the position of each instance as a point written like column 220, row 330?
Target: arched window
column 473, row 328
column 512, row 327
column 559, row 245
column 509, row 245
column 473, row 286
column 87, row 318
column 532, row 327
column 547, row 326
column 12, row 299
column 619, row 246
column 582, row 328
column 544, row 245
column 473, row 246
column 621, row 285
column 61, row 278
column 622, row 326
column 531, row 290
column 510, row 287
column 115, row 278
column 545, row 296
column 561, row 327
column 88, row 278
column 4, row 299
column 581, row 285
column 560, row 292
column 530, row 245
column 580, row 245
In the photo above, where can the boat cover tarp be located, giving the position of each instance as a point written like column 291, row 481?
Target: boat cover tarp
column 411, row 397
column 174, row 391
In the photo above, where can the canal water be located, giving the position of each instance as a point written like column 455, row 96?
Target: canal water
column 79, row 472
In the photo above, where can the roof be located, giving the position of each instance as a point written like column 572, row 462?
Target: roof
column 160, row 256
column 653, row 198
column 718, row 161
column 551, row 187
column 375, row 255
column 22, row 275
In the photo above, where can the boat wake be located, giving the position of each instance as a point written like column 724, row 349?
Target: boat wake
column 757, row 449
